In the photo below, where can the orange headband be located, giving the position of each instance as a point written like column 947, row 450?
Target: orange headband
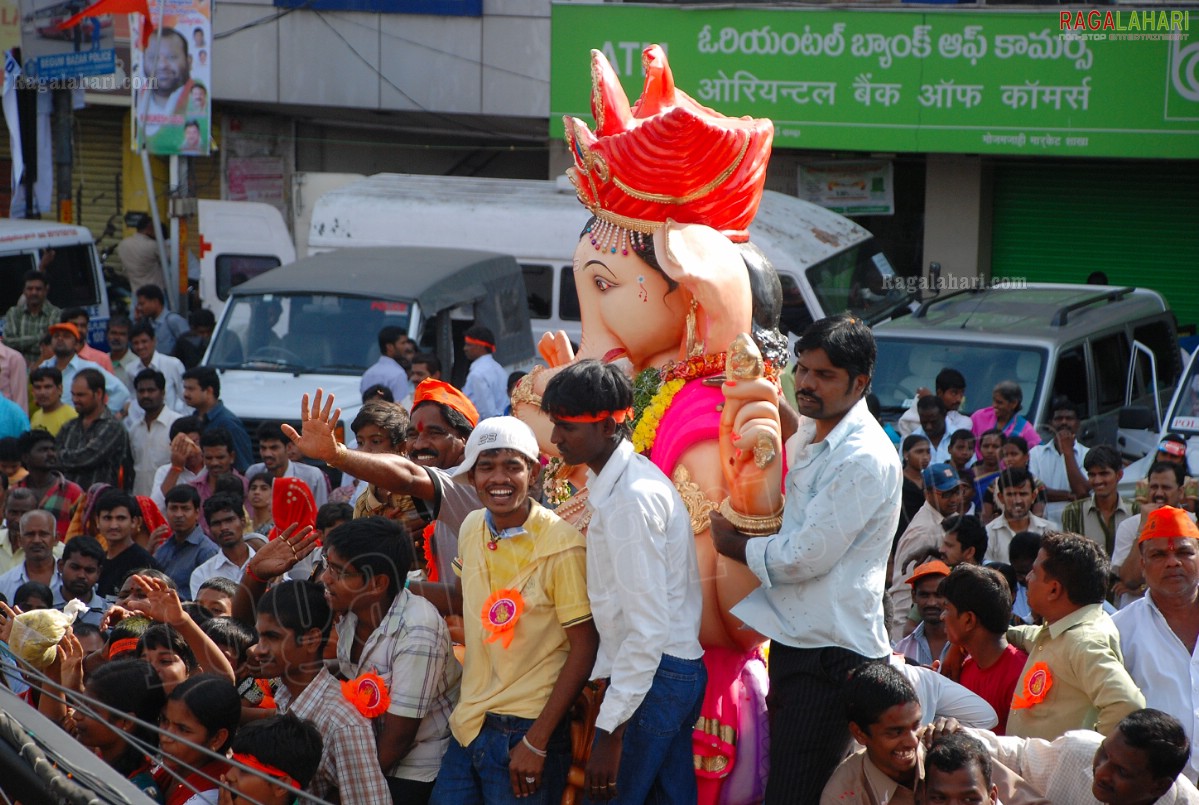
column 599, row 416
column 480, row 343
column 121, row 646
column 269, row 771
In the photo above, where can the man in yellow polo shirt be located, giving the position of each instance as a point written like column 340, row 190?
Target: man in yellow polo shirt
column 530, row 641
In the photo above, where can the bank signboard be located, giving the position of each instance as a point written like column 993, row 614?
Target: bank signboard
column 961, row 81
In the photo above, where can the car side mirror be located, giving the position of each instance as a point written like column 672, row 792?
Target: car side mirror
column 1137, row 417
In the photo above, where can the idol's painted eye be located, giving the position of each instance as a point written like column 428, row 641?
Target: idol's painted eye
column 602, row 284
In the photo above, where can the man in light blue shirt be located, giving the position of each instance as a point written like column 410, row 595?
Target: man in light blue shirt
column 388, row 371
column 823, row 575
column 64, row 338
column 486, row 382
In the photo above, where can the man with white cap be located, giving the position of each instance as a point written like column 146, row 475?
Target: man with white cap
column 643, row 579
column 530, row 640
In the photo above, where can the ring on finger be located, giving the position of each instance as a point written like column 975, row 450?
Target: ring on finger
column 530, row 780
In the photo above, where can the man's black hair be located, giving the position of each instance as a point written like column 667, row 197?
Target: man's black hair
column 957, row 751
column 1019, row 441
column 481, row 333
column 1078, row 564
column 961, row 435
column 330, row 514
column 121, row 322
column 973, row 588
column 931, row 402
column 153, row 292
column 142, row 327
column 183, row 493
column 388, row 336
column 73, row 313
column 115, row 499
column 221, row 503
column 186, row 424
column 969, row 532
column 1103, row 455
column 286, row 742
column 378, row 392
column 1179, row 471
column 46, row 373
column 201, row 317
column 33, row 589
column 33, row 275
column 374, row 546
column 217, row 437
column 298, row 606
column 1161, row 737
column 130, row 686
column 589, row 387
column 388, row 417
column 1012, row 477
column 32, row 438
column 1063, row 403
column 231, row 634
column 164, row 636
column 847, row 341
column 206, row 377
column 85, row 546
column 428, row 359
column 950, row 380
column 93, row 379
column 270, row 431
column 221, row 584
column 152, row 375
column 873, row 689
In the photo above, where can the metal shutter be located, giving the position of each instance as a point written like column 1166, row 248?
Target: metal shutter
column 97, row 175
column 1136, row 221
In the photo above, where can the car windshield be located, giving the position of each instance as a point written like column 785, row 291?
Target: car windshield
column 1185, row 416
column 906, row 364
column 860, row 281
column 304, row 332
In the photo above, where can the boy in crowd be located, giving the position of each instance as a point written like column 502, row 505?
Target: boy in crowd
column 961, row 453
column 643, row 576
column 958, row 768
column 216, row 595
column 1023, row 552
column 950, row 386
column 187, row 548
column 965, row 540
column 1098, row 515
column 79, row 569
column 52, row 413
column 284, row 750
column 117, row 516
column 272, row 446
column 55, row 493
column 1074, row 677
column 928, row 641
column 530, row 640
column 227, row 524
column 1016, row 492
column 978, row 609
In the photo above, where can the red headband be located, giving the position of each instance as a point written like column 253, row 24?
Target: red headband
column 480, row 343
column 269, row 771
column 121, row 646
column 599, row 416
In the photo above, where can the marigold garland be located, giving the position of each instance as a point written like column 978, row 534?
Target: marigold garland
column 646, row 429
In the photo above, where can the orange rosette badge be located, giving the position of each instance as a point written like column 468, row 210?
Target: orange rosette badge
column 1036, row 687
column 368, row 693
column 500, row 613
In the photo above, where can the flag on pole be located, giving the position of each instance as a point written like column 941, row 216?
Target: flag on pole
column 102, row 7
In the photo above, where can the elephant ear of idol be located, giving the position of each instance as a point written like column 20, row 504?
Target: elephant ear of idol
column 666, row 156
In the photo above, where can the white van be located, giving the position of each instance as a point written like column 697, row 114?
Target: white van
column 238, row 241
column 76, row 276
column 823, row 259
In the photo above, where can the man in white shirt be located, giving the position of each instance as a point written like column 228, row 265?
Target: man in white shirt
column 933, row 418
column 1016, row 491
column 951, row 388
column 227, row 523
column 643, row 583
column 185, row 463
column 823, row 573
column 38, row 537
column 149, row 434
column 486, row 383
column 1158, row 633
column 143, row 342
column 272, row 446
column 1058, row 463
column 942, row 497
column 65, row 339
column 79, row 569
column 388, row 371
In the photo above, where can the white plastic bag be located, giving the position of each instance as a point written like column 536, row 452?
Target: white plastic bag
column 36, row 633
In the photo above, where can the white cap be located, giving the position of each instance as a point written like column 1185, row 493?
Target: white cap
column 497, row 433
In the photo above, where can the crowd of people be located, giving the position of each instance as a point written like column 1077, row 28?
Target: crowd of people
column 955, row 612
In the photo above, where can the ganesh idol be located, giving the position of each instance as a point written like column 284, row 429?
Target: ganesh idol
column 667, row 280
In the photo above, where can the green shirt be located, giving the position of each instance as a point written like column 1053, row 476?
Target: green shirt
column 1089, row 690
column 1083, row 517
column 23, row 330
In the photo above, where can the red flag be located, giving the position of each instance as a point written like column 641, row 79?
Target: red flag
column 102, row 7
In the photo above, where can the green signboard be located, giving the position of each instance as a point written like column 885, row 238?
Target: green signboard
column 990, row 82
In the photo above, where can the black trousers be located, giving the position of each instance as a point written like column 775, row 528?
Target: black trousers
column 809, row 733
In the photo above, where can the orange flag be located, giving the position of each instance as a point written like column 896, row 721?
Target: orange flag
column 102, row 7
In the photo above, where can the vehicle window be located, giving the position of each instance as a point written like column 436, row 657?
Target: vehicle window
column 539, row 285
column 859, row 280
column 1070, row 379
column 905, row 365
column 1185, row 416
column 304, row 332
column 1158, row 336
column 795, row 317
column 234, row 269
column 72, row 277
column 1110, row 356
column 12, row 277
column 568, row 297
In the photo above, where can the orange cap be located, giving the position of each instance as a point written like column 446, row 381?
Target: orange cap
column 442, row 392
column 65, row 327
column 1168, row 522
column 934, row 568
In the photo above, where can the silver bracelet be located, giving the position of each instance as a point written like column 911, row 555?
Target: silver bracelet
column 539, row 752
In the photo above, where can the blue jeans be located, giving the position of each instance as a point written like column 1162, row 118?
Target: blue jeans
column 656, row 757
column 478, row 774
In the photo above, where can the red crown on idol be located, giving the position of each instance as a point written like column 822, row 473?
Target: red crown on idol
column 666, row 157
